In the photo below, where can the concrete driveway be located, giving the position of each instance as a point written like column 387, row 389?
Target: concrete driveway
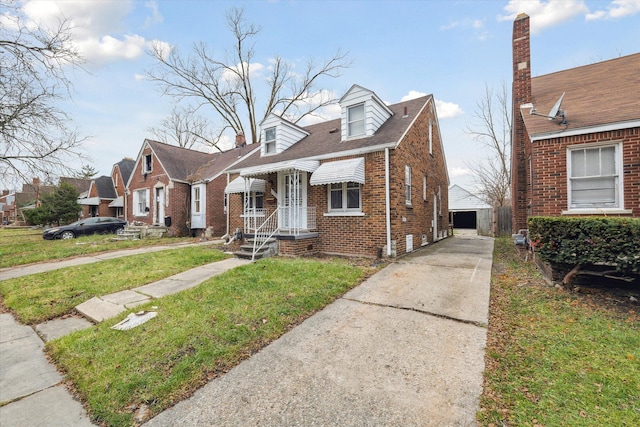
column 405, row 348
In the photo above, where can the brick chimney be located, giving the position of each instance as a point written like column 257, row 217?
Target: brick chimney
column 521, row 149
column 36, row 182
column 241, row 141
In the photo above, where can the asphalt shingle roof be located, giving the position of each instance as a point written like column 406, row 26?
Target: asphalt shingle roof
column 595, row 95
column 325, row 137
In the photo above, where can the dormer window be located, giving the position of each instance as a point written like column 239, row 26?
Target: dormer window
column 355, row 120
column 270, row 140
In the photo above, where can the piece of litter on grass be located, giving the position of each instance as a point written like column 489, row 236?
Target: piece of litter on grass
column 134, row 319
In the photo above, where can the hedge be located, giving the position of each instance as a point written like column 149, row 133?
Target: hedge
column 587, row 241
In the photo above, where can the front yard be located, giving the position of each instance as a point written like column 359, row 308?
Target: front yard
column 553, row 358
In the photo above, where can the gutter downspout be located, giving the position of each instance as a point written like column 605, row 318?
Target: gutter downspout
column 387, row 200
column 226, row 201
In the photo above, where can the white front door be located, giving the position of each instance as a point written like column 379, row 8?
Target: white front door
column 198, row 206
column 159, row 206
column 292, row 187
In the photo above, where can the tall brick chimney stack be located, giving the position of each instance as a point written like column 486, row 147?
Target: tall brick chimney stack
column 521, row 94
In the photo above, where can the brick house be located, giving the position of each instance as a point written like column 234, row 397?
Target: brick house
column 576, row 137
column 179, row 187
column 372, row 183
column 105, row 195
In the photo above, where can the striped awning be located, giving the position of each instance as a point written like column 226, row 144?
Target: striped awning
column 351, row 170
column 289, row 165
column 238, row 185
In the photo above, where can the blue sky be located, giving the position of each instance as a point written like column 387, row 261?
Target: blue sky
column 450, row 49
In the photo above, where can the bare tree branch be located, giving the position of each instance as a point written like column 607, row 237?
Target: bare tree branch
column 186, row 129
column 492, row 129
column 35, row 138
column 225, row 84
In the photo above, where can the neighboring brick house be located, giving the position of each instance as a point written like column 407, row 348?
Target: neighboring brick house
column 163, row 179
column 582, row 162
column 120, row 174
column 96, row 200
column 208, row 183
column 372, row 183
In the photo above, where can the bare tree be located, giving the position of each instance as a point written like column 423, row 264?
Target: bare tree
column 226, row 84
column 182, row 127
column 35, row 138
column 492, row 128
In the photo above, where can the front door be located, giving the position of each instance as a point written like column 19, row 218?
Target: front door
column 293, row 200
column 159, row 206
column 198, row 206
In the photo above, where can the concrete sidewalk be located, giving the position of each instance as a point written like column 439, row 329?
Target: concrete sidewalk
column 405, row 348
column 33, row 386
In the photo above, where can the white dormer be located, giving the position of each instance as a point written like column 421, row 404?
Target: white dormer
column 362, row 113
column 278, row 134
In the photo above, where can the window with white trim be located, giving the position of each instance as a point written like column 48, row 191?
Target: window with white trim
column 196, row 199
column 355, row 120
column 345, row 197
column 270, row 140
column 407, row 184
column 594, row 177
column 140, row 202
column 430, row 136
column 256, row 200
column 148, row 165
column 424, row 187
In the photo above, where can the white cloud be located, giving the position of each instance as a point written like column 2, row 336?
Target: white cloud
column 457, row 172
column 413, row 94
column 477, row 25
column 447, row 110
column 617, row 9
column 97, row 26
column 543, row 13
column 155, row 17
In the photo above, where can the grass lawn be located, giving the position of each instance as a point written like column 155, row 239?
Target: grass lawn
column 39, row 297
column 197, row 335
column 19, row 246
column 556, row 358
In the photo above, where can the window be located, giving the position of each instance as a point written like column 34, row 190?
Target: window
column 594, row 177
column 345, row 197
column 256, row 200
column 147, row 164
column 430, row 136
column 407, row 184
column 270, row 140
column 140, row 198
column 424, row 187
column 196, row 200
column 355, row 120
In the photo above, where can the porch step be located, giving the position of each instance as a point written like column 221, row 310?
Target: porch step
column 246, row 250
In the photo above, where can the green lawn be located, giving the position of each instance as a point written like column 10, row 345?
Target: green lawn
column 198, row 334
column 556, row 358
column 39, row 297
column 19, row 246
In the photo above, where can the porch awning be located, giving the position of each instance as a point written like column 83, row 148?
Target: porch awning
column 351, row 170
column 117, row 203
column 301, row 165
column 90, row 201
column 238, row 185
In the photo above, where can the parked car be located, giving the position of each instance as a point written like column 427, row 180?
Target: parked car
column 98, row 224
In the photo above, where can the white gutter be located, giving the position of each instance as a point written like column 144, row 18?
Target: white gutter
column 582, row 131
column 387, row 200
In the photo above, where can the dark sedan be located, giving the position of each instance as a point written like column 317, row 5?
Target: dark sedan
column 95, row 225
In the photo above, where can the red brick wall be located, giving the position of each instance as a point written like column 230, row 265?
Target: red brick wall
column 549, row 192
column 216, row 216
column 177, row 197
column 414, row 152
column 366, row 235
column 521, row 93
